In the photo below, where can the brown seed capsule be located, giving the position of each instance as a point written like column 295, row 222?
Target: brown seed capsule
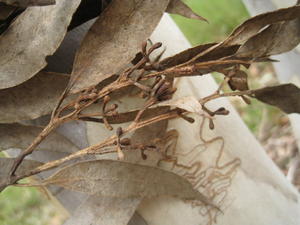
column 106, row 99
column 119, row 131
column 186, row 118
column 92, row 95
column 155, row 46
column 144, row 156
column 111, row 108
column 211, row 124
column 144, row 47
column 121, row 155
column 221, row 111
column 125, row 141
column 239, row 81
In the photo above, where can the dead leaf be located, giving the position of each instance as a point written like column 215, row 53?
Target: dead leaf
column 137, row 219
column 285, row 96
column 5, row 11
column 180, row 8
column 253, row 25
column 114, row 40
column 20, row 136
column 102, row 211
column 275, row 39
column 35, row 34
column 294, row 172
column 26, row 3
column 6, row 165
column 87, row 10
column 32, row 99
column 202, row 68
column 63, row 58
column 188, row 54
column 123, row 180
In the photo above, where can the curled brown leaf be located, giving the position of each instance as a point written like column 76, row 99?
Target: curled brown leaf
column 123, row 180
column 285, row 96
column 35, row 34
column 180, row 8
column 27, row 101
column 114, row 40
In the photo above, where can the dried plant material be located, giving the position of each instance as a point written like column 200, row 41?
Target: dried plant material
column 188, row 103
column 6, row 164
column 285, row 96
column 123, row 180
column 135, row 148
column 103, row 211
column 35, row 34
column 5, row 11
column 275, row 39
column 238, row 80
column 180, row 8
column 253, row 25
column 114, row 40
column 19, row 136
column 26, row 3
column 190, row 53
column 32, row 99
column 202, row 68
column 126, row 116
column 294, row 172
column 86, row 11
column 211, row 173
column 137, row 219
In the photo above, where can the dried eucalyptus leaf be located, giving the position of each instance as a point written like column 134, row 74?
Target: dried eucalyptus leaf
column 285, row 96
column 275, row 39
column 87, row 10
column 183, row 56
column 253, row 25
column 5, row 11
column 123, row 180
column 294, row 172
column 180, row 8
column 137, row 219
column 6, row 165
column 114, row 40
column 103, row 211
column 26, row 3
column 203, row 68
column 188, row 54
column 35, row 34
column 20, row 136
column 32, row 99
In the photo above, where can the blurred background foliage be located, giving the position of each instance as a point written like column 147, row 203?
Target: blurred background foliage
column 223, row 17
column 28, row 206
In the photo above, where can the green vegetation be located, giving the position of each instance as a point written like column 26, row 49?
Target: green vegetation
column 25, row 206
column 223, row 17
